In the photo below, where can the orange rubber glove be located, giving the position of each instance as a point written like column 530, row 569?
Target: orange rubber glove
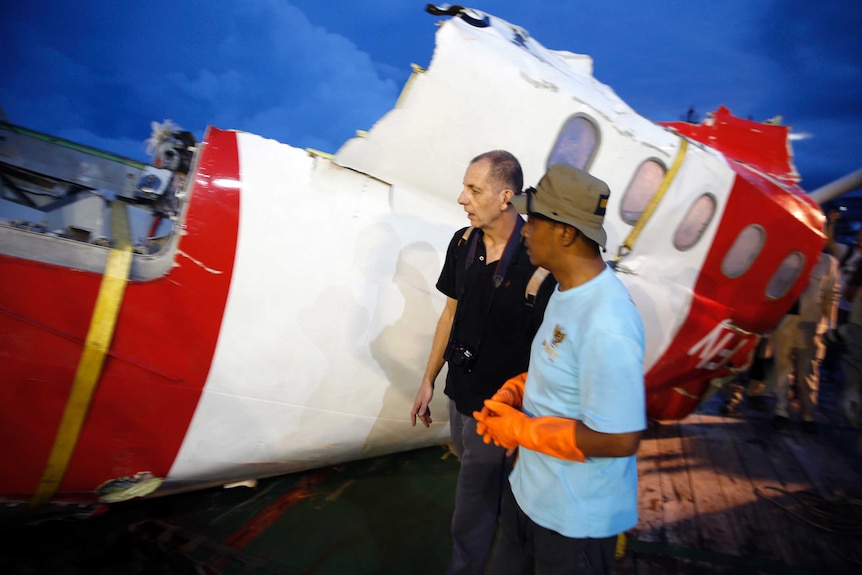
column 509, row 427
column 511, row 393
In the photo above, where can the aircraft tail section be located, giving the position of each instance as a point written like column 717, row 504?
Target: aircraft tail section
column 763, row 145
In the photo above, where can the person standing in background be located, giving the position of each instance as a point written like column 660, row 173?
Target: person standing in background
column 799, row 346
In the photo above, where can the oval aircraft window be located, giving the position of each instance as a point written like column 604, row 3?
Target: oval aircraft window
column 641, row 190
column 743, row 252
column 785, row 276
column 576, row 143
column 695, row 222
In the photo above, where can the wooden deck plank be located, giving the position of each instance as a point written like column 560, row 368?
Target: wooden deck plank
column 811, row 549
column 828, row 459
column 755, row 538
column 826, row 464
column 753, row 443
column 832, row 475
column 729, row 480
column 715, row 518
column 650, row 503
column 680, row 527
column 708, row 470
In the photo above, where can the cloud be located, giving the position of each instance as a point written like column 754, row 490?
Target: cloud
column 816, row 57
column 311, row 77
column 311, row 73
column 258, row 66
column 289, row 79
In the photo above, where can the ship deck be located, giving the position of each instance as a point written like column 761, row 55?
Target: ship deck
column 717, row 495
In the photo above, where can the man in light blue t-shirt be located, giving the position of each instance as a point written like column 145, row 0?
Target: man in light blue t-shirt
column 578, row 417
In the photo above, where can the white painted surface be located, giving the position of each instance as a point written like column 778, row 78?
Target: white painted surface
column 332, row 304
column 328, row 323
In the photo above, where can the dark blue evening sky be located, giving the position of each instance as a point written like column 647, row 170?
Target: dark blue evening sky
column 310, row 73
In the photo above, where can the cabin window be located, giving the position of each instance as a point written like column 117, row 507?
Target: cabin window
column 785, row 276
column 744, row 251
column 576, row 143
column 695, row 222
column 641, row 190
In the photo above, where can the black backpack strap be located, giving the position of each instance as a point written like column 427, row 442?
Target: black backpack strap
column 511, row 247
column 539, row 290
column 502, row 265
column 499, row 272
column 471, row 239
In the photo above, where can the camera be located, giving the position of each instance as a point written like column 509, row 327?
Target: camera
column 459, row 355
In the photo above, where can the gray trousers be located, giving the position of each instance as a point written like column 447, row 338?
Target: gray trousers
column 483, row 474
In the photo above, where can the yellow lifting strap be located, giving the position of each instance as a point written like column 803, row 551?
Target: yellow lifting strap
column 96, row 346
column 630, row 240
column 620, row 550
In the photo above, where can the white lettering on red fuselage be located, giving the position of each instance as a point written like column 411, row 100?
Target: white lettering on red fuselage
column 717, row 347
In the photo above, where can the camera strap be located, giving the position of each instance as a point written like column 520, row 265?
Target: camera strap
column 508, row 252
column 499, row 271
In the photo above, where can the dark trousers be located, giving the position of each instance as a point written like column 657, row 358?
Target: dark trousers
column 524, row 548
column 484, row 473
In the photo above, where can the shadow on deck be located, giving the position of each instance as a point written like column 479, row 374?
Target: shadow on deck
column 717, row 495
column 732, row 495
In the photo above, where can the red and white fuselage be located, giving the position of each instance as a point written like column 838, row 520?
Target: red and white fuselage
column 286, row 320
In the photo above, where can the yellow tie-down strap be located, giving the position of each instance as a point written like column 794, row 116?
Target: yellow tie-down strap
column 629, row 242
column 96, row 346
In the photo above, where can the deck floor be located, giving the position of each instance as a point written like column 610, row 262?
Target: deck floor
column 729, row 495
column 717, row 495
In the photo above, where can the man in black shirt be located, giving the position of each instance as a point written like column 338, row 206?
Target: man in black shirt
column 484, row 333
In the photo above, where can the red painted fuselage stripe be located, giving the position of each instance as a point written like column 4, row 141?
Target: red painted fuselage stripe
column 159, row 360
column 753, row 200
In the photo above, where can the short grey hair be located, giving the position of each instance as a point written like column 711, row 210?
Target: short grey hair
column 505, row 168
